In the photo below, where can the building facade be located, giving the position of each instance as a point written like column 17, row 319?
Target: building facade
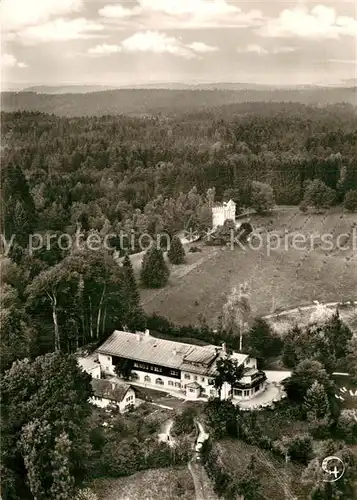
column 177, row 367
column 223, row 212
column 108, row 393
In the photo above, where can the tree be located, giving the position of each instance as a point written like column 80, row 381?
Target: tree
column 18, row 209
column 154, row 271
column 338, row 336
column 176, row 253
column 222, row 418
column 124, row 368
column 134, row 317
column 45, row 441
column 303, row 377
column 262, row 197
column 237, row 312
column 350, row 202
column 249, row 486
column 51, row 286
column 262, row 341
column 228, row 371
column 300, row 448
column 352, row 357
column 347, row 426
column 318, row 195
column 316, row 404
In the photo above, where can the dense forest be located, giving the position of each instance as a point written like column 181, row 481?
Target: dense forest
column 112, row 175
column 99, row 176
column 166, row 101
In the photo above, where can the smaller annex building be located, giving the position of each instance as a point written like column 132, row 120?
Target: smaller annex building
column 109, row 393
column 177, row 367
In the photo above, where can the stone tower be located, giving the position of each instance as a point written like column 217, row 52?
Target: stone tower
column 223, row 212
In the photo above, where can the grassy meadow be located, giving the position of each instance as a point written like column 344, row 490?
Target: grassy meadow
column 281, row 277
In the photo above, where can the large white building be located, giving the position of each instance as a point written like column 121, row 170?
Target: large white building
column 173, row 366
column 223, row 212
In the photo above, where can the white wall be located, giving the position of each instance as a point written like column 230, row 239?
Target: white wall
column 106, row 363
column 95, row 373
column 104, row 402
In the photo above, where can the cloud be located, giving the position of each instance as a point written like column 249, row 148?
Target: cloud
column 10, row 61
column 201, row 47
column 59, row 30
column 344, row 61
column 117, row 11
column 104, row 49
column 283, row 50
column 262, row 51
column 157, row 43
column 183, row 14
column 256, row 49
column 16, row 14
column 320, row 22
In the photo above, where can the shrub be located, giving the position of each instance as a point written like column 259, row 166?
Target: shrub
column 350, row 202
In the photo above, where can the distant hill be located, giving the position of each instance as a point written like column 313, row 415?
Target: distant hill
column 67, row 89
column 165, row 101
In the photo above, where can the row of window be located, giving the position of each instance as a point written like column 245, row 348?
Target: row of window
column 159, row 381
column 152, row 368
column 144, row 366
column 195, row 377
column 246, row 392
column 129, row 398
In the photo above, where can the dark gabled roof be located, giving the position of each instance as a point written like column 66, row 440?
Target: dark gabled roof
column 109, row 390
column 145, row 348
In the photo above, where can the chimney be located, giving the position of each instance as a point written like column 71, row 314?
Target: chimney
column 147, row 333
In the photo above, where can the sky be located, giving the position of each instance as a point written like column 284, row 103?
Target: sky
column 104, row 42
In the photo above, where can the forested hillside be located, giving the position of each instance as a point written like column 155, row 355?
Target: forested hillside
column 113, row 175
column 167, row 101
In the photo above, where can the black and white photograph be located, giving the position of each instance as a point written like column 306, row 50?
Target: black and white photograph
column 178, row 250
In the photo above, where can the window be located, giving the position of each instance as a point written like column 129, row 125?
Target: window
column 187, row 376
column 147, row 379
column 202, row 379
column 159, row 381
column 174, row 373
column 177, row 384
column 237, row 392
column 246, row 393
column 256, row 389
column 170, row 382
column 195, row 377
column 109, row 358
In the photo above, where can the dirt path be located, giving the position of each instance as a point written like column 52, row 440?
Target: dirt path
column 299, row 309
column 165, row 434
column 203, row 485
column 203, row 488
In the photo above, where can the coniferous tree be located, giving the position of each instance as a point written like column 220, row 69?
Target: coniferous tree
column 18, row 209
column 154, row 271
column 176, row 253
column 134, row 316
column 316, row 404
column 262, row 341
